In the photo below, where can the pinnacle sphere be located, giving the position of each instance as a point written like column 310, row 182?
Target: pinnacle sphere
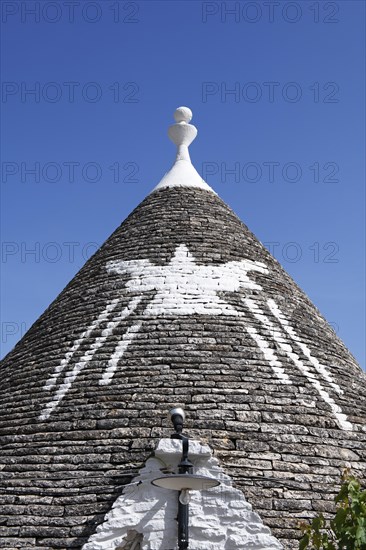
column 183, row 114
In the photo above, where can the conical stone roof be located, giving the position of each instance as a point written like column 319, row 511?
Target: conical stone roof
column 182, row 306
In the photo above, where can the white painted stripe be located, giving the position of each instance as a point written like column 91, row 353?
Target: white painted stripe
column 129, row 335
column 291, row 332
column 269, row 355
column 87, row 357
column 337, row 411
column 65, row 361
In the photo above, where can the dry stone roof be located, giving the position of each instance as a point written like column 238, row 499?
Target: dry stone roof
column 182, row 306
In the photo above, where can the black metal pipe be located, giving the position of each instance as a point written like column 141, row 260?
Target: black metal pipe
column 183, row 522
column 184, row 467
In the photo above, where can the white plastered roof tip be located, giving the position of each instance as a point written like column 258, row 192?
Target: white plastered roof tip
column 183, row 173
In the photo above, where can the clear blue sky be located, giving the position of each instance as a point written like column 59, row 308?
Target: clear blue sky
column 107, row 76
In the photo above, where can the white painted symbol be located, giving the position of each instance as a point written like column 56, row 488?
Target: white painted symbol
column 183, row 287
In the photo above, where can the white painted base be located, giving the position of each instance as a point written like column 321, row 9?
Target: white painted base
column 183, row 174
column 220, row 518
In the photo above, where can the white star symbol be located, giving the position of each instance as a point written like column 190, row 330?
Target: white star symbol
column 183, row 287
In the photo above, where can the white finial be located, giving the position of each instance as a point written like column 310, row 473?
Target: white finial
column 182, row 133
column 182, row 173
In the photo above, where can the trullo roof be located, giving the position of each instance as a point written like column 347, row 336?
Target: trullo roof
column 181, row 306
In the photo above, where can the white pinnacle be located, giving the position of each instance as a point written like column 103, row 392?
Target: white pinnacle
column 183, row 173
column 182, row 133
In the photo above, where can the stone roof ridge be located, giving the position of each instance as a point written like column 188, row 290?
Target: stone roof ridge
column 182, row 173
